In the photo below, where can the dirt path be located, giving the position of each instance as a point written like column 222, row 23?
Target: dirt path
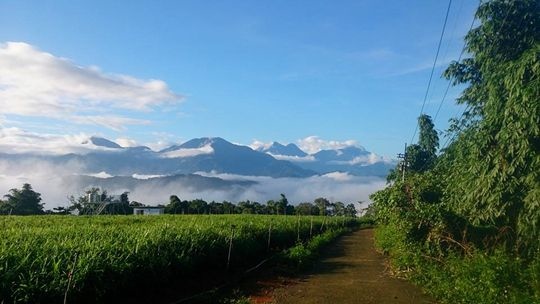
column 351, row 271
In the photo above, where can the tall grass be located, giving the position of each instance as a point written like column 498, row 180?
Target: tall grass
column 108, row 253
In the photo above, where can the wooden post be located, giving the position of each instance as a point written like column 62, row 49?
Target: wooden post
column 230, row 248
column 311, row 228
column 269, row 235
column 297, row 228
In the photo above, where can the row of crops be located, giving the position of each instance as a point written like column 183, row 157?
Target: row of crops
column 83, row 259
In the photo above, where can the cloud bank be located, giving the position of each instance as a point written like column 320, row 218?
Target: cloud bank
column 314, row 144
column 50, row 180
column 14, row 140
column 189, row 152
column 39, row 84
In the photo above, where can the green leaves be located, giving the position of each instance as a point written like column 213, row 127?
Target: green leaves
column 118, row 252
column 476, row 212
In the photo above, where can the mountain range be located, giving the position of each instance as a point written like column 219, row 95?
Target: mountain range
column 196, row 166
column 216, row 155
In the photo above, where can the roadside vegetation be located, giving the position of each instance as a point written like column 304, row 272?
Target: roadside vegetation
column 465, row 222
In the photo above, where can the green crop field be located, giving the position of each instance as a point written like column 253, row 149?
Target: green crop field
column 45, row 258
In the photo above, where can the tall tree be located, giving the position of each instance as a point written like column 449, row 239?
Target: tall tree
column 428, row 139
column 322, row 203
column 422, row 156
column 338, row 209
column 494, row 177
column 175, row 206
column 350, row 210
column 24, row 201
column 282, row 204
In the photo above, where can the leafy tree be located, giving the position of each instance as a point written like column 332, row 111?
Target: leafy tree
column 229, row 208
column 198, row 206
column 422, row 156
column 272, row 207
column 428, row 139
column 259, row 208
column 24, row 201
column 175, row 206
column 246, row 207
column 350, row 210
column 480, row 197
column 282, row 204
column 215, row 208
column 307, row 209
column 290, row 209
column 117, row 205
column 418, row 160
column 338, row 209
column 322, row 204
column 4, row 207
column 494, row 178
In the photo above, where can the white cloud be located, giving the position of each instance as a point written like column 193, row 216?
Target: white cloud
column 146, row 176
column 126, row 142
column 101, row 174
column 259, row 145
column 300, row 159
column 159, row 145
column 207, row 149
column 363, row 160
column 15, row 140
column 314, row 144
column 36, row 83
column 339, row 176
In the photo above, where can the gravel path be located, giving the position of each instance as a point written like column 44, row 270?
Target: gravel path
column 350, row 271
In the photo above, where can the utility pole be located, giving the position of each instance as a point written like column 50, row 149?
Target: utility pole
column 403, row 156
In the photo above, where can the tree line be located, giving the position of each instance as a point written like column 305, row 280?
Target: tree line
column 26, row 201
column 320, row 206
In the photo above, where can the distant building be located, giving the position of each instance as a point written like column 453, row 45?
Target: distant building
column 94, row 198
column 148, row 210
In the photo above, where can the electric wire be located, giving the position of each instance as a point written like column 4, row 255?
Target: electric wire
column 451, row 138
column 458, row 60
column 433, row 67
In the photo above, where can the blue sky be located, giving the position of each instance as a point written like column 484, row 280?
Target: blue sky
column 245, row 70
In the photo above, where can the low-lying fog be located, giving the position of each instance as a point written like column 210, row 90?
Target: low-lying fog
column 50, row 180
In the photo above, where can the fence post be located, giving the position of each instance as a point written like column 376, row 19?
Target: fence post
column 230, row 248
column 269, row 235
column 311, row 228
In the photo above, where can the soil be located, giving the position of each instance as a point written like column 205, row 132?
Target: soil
column 349, row 271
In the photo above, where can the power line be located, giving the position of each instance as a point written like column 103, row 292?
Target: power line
column 433, row 67
column 458, row 60
column 451, row 138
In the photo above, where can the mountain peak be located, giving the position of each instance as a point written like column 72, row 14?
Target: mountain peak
column 288, row 150
column 203, row 141
column 102, row 142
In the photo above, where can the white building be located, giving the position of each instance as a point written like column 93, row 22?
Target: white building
column 148, row 210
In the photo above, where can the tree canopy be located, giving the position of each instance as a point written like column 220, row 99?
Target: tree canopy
column 24, row 201
column 483, row 189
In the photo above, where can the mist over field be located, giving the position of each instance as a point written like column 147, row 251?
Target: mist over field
column 57, row 182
